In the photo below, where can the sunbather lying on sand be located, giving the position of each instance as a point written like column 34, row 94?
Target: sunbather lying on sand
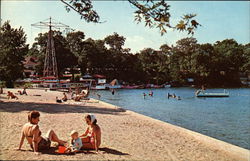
column 11, row 95
column 32, row 133
column 64, row 99
column 83, row 94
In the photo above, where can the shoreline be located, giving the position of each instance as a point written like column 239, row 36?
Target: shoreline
column 130, row 135
column 222, row 145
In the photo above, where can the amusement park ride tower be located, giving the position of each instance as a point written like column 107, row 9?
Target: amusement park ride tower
column 50, row 62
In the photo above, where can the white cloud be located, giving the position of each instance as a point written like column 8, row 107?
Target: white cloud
column 137, row 43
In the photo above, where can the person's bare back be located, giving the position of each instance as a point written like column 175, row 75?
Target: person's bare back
column 29, row 130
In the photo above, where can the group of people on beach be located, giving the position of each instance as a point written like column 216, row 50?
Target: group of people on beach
column 75, row 95
column 11, row 95
column 91, row 139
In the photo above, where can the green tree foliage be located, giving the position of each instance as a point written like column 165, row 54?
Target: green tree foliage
column 155, row 14
column 84, row 8
column 228, row 60
column 94, row 56
column 155, row 65
column 65, row 58
column 208, row 64
column 75, row 42
column 119, row 56
column 202, row 63
column 182, row 60
column 12, row 52
column 245, row 68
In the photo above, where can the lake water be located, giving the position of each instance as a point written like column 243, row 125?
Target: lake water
column 226, row 119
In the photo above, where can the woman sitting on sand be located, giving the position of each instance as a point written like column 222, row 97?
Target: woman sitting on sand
column 91, row 139
column 65, row 98
column 32, row 133
column 83, row 94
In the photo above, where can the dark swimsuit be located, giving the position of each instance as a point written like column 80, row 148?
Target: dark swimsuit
column 43, row 144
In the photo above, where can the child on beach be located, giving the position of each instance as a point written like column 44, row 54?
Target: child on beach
column 75, row 143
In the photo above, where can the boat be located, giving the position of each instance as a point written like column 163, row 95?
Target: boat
column 99, row 87
column 130, row 86
column 202, row 93
column 114, row 84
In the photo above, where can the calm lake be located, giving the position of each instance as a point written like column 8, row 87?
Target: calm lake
column 226, row 119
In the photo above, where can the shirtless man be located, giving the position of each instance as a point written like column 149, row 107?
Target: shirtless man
column 32, row 133
column 11, row 95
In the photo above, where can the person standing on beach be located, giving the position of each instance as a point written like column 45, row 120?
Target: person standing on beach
column 32, row 133
column 91, row 139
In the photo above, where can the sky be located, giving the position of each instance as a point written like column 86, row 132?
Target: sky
column 220, row 20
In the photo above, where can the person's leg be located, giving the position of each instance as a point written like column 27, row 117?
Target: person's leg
column 86, row 144
column 53, row 137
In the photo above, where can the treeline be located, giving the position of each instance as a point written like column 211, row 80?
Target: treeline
column 213, row 65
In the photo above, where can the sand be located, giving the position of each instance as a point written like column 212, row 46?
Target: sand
column 126, row 135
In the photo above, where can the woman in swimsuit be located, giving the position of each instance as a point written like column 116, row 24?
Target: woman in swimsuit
column 32, row 133
column 91, row 139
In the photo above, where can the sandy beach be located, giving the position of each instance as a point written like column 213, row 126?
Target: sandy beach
column 126, row 135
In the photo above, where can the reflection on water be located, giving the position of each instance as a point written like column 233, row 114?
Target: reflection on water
column 227, row 118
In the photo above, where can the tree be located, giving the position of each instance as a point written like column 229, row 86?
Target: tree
column 65, row 58
column 115, row 41
column 182, row 65
column 202, row 63
column 154, row 13
column 118, row 55
column 149, row 59
column 245, row 68
column 228, row 60
column 75, row 41
column 12, row 52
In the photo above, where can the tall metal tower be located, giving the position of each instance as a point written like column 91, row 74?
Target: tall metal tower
column 50, row 63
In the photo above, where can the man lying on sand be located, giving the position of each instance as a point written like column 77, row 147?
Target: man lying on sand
column 11, row 95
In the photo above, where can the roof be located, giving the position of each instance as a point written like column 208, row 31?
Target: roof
column 49, row 77
column 67, row 75
column 87, row 76
column 98, row 76
column 29, row 60
column 114, row 82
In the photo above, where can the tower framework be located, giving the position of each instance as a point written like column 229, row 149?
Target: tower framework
column 50, row 63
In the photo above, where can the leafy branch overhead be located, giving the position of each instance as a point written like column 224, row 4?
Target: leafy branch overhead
column 155, row 14
column 84, row 8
